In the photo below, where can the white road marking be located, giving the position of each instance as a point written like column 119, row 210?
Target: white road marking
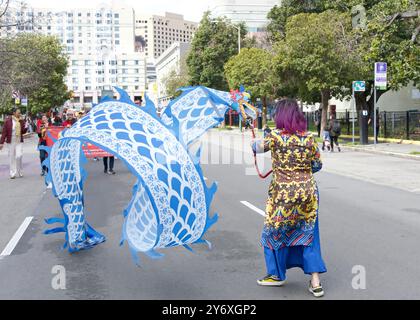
column 16, row 237
column 254, row 208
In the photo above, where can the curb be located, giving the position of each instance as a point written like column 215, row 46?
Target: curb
column 389, row 140
column 386, row 153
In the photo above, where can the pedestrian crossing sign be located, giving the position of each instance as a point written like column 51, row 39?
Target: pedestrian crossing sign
column 359, row 86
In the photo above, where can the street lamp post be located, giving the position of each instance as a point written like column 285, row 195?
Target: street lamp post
column 239, row 36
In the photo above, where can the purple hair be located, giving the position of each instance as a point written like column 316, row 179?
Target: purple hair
column 289, row 117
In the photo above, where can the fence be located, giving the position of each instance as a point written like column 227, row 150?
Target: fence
column 392, row 124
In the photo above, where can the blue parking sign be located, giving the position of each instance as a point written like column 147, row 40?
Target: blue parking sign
column 359, row 86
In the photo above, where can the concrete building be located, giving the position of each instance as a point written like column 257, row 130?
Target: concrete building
column 252, row 12
column 155, row 34
column 405, row 99
column 170, row 60
column 100, row 43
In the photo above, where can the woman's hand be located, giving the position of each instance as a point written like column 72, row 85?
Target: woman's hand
column 252, row 143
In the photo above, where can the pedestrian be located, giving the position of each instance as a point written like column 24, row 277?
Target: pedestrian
column 57, row 122
column 13, row 132
column 248, row 123
column 290, row 235
column 318, row 122
column 326, row 138
column 109, row 169
column 377, row 124
column 64, row 114
column 335, row 132
column 42, row 134
column 267, row 130
column 70, row 119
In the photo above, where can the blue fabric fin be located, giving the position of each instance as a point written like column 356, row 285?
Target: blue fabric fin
column 188, row 248
column 124, row 97
column 54, row 220
column 55, row 230
column 154, row 254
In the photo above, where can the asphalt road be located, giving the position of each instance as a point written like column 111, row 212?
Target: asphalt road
column 362, row 223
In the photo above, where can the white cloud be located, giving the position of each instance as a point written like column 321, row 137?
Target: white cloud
column 191, row 9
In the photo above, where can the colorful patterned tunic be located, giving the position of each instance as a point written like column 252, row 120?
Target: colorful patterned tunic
column 292, row 206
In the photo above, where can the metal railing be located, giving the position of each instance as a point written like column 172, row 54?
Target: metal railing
column 392, row 124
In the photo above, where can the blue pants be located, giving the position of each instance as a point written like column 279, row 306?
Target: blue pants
column 309, row 259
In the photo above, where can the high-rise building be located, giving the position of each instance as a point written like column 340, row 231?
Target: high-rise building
column 252, row 12
column 155, row 34
column 100, row 43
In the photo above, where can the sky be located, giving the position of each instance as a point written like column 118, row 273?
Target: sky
column 191, row 9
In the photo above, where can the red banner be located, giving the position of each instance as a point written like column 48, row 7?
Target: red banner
column 90, row 150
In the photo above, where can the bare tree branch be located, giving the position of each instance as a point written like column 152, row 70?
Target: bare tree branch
column 402, row 16
column 6, row 7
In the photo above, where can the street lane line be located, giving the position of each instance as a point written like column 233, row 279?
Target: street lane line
column 254, row 208
column 16, row 237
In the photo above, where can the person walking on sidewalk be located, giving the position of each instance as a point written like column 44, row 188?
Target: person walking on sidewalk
column 378, row 126
column 290, row 236
column 335, row 132
column 12, row 133
column 326, row 138
column 111, row 165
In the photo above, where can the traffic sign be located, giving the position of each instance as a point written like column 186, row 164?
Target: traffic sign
column 381, row 69
column 359, row 86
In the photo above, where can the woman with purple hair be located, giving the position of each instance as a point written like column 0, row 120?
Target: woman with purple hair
column 291, row 236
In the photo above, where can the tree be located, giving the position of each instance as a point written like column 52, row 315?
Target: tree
column 215, row 41
column 383, row 30
column 10, row 20
column 176, row 79
column 253, row 69
column 314, row 56
column 390, row 35
column 279, row 15
column 35, row 66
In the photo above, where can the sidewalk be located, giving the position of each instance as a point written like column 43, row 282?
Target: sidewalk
column 406, row 151
column 401, row 150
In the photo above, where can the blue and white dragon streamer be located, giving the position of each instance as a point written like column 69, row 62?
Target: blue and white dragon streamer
column 171, row 202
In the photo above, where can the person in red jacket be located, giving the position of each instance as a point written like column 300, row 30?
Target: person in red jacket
column 42, row 134
column 13, row 132
column 70, row 119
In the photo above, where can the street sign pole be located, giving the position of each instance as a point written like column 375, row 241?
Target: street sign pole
column 354, row 115
column 358, row 86
column 374, row 116
column 381, row 69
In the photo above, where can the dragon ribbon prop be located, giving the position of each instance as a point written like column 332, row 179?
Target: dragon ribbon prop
column 246, row 110
column 171, row 202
